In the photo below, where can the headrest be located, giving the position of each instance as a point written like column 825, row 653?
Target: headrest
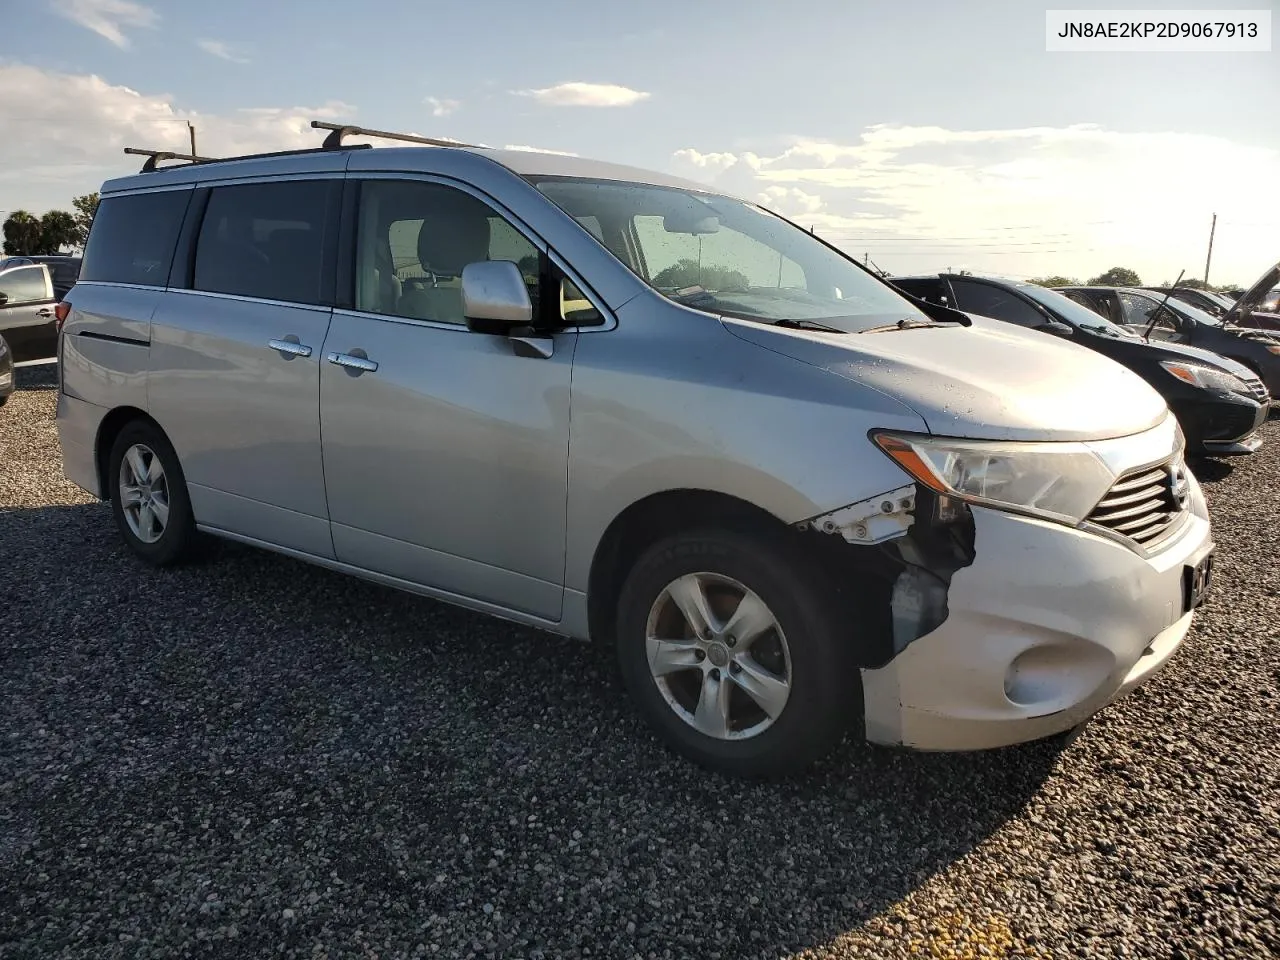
column 451, row 238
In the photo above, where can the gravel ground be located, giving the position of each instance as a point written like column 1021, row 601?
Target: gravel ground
column 258, row 758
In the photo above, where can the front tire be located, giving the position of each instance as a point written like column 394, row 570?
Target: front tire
column 732, row 650
column 149, row 496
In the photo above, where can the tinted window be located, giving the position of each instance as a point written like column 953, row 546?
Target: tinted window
column 266, row 240
column 413, row 241
column 991, row 301
column 23, row 285
column 923, row 288
column 133, row 238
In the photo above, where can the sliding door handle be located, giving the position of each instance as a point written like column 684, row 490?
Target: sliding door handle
column 352, row 362
column 291, row 347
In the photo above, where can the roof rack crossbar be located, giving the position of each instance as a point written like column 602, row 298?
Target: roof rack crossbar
column 155, row 156
column 339, row 130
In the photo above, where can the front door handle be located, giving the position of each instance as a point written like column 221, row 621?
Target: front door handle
column 44, row 312
column 290, row 347
column 352, row 362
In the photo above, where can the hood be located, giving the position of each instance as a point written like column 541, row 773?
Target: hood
column 1254, row 295
column 990, row 381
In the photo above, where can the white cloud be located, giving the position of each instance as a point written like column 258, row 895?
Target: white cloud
column 441, row 107
column 1071, row 200
column 221, row 50
column 578, row 94
column 526, row 149
column 86, row 123
column 107, row 18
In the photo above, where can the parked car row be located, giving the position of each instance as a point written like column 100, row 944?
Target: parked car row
column 794, row 498
column 1218, row 381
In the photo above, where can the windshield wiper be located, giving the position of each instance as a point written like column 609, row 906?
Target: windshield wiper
column 906, row 323
column 807, row 325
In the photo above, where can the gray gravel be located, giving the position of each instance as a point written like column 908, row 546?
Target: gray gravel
column 258, row 758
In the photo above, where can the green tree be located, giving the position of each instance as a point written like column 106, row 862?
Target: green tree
column 58, row 229
column 21, row 234
column 688, row 273
column 1117, row 277
column 1054, row 281
column 86, row 207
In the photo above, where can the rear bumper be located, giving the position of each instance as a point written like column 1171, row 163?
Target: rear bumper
column 1047, row 626
column 78, row 423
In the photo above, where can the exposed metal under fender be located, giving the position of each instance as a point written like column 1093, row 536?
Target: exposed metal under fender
column 874, row 520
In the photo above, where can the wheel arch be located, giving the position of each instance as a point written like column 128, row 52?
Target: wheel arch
column 108, row 430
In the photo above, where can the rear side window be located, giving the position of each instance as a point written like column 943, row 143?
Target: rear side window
column 23, row 285
column 266, row 240
column 133, row 238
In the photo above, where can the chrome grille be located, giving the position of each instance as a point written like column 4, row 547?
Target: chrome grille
column 1145, row 505
column 1257, row 389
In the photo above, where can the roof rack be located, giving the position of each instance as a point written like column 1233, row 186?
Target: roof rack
column 155, row 156
column 339, row 130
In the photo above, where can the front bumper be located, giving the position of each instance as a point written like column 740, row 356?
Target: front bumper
column 1046, row 627
column 1221, row 427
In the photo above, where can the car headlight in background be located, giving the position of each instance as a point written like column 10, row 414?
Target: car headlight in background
column 1210, row 378
column 1057, row 481
column 1275, row 349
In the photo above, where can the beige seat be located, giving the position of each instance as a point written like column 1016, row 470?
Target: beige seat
column 447, row 241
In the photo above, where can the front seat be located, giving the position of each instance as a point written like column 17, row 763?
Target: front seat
column 447, row 241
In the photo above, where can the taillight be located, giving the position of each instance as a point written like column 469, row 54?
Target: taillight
column 60, row 313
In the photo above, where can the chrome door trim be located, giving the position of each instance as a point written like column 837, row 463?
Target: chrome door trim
column 353, row 363
column 291, row 347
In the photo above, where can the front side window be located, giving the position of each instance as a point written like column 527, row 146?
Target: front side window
column 133, row 238
column 726, row 257
column 23, row 285
column 992, row 301
column 415, row 238
column 1139, row 311
column 266, row 240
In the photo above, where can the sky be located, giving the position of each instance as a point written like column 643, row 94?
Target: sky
column 923, row 135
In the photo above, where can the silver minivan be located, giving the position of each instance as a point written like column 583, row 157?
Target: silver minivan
column 617, row 405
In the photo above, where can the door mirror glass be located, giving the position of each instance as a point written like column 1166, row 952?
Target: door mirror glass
column 494, row 297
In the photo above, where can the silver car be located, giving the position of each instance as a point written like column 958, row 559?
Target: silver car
column 615, row 405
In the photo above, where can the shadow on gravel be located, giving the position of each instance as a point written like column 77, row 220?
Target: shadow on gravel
column 1208, row 470
column 37, row 377
column 256, row 749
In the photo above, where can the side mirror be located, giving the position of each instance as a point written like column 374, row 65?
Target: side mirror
column 495, row 300
column 4, row 298
column 1055, row 328
column 494, row 297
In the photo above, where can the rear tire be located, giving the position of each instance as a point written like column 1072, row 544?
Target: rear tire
column 765, row 703
column 149, row 496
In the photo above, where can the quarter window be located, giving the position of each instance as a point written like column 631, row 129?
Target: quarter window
column 24, row 285
column 266, row 240
column 133, row 238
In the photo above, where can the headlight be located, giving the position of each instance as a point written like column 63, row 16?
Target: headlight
column 1210, row 378
column 1058, row 481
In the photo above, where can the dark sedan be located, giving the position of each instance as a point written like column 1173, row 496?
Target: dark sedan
column 1172, row 320
column 1219, row 403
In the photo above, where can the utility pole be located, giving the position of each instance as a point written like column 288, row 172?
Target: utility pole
column 1209, row 255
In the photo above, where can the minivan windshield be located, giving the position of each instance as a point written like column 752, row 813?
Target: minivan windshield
column 727, row 257
column 1074, row 313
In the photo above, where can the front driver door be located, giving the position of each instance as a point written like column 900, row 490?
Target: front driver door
column 445, row 451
